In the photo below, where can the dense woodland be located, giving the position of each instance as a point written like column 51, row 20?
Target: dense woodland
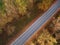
column 15, row 14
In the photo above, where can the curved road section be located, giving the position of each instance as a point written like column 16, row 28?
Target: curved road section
column 37, row 24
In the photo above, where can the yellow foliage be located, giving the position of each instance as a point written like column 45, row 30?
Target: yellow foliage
column 45, row 4
column 45, row 38
column 22, row 6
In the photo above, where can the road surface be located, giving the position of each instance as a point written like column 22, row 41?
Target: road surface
column 37, row 24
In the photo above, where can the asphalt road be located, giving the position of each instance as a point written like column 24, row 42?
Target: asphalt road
column 37, row 24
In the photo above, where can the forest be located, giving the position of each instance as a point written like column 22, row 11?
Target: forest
column 16, row 14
